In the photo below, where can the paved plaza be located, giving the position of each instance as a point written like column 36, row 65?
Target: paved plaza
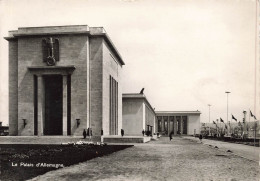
column 180, row 159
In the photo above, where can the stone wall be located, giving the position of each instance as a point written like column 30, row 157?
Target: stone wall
column 193, row 123
column 111, row 67
column 133, row 116
column 29, row 54
column 13, row 89
column 73, row 51
column 149, row 117
column 96, row 84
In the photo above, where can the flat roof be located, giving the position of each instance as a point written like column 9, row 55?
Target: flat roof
column 137, row 96
column 178, row 112
column 133, row 95
column 65, row 30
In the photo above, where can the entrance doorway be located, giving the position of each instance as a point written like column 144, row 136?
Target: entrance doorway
column 53, row 105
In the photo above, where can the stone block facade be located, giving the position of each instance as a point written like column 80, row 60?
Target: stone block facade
column 87, row 58
column 138, row 115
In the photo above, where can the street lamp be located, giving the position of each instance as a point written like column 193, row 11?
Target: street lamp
column 227, row 92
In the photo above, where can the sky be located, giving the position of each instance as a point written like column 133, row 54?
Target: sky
column 185, row 53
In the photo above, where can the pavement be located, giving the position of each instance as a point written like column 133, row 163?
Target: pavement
column 183, row 158
column 245, row 151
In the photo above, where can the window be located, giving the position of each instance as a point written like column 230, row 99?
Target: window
column 113, row 122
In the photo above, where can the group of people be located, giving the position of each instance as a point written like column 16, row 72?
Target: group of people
column 88, row 133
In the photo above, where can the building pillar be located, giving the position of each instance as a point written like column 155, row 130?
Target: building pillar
column 181, row 125
column 163, row 125
column 175, row 125
column 40, row 98
column 169, row 126
column 64, row 105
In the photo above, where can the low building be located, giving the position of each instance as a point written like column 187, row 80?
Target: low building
column 178, row 122
column 138, row 115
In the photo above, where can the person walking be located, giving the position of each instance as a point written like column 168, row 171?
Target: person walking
column 84, row 134
column 170, row 136
column 200, row 137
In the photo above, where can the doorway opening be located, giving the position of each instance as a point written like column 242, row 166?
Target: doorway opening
column 53, row 105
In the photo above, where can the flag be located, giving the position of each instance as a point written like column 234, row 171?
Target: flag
column 225, row 126
column 214, row 122
column 254, row 117
column 234, row 117
column 221, row 120
column 251, row 114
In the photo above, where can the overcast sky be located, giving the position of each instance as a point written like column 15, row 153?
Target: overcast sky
column 185, row 53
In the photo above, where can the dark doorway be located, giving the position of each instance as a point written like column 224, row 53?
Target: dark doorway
column 53, row 105
column 184, row 118
column 178, row 119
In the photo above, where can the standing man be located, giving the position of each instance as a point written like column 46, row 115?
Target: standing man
column 90, row 133
column 122, row 132
column 200, row 138
column 84, row 134
column 143, row 132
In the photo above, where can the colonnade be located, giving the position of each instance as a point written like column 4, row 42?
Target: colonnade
column 172, row 124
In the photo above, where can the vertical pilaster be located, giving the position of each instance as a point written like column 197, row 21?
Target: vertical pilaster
column 181, row 125
column 88, row 84
column 175, row 125
column 163, row 124
column 169, row 126
column 40, row 104
column 64, row 105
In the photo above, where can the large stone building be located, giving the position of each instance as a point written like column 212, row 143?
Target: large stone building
column 62, row 80
column 178, row 122
column 138, row 115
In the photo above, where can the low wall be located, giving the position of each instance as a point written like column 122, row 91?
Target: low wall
column 125, row 139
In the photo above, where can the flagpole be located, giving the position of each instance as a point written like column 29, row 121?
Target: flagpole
column 209, row 118
column 255, row 131
column 227, row 92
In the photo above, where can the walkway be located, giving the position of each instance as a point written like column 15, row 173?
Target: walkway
column 245, row 151
column 180, row 159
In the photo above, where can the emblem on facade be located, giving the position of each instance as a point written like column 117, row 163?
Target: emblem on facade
column 50, row 50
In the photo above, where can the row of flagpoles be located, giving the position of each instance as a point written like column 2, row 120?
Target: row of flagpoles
column 243, row 128
column 239, row 123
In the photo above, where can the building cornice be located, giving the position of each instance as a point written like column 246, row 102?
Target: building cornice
column 65, row 30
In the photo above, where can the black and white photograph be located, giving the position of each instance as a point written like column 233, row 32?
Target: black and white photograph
column 129, row 90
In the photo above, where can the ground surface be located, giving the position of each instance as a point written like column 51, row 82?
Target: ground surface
column 21, row 162
column 180, row 159
column 249, row 152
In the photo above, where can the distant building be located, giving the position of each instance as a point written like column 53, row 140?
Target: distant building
column 138, row 115
column 64, row 79
column 178, row 122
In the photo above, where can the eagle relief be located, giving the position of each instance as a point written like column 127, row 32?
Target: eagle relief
column 50, row 50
